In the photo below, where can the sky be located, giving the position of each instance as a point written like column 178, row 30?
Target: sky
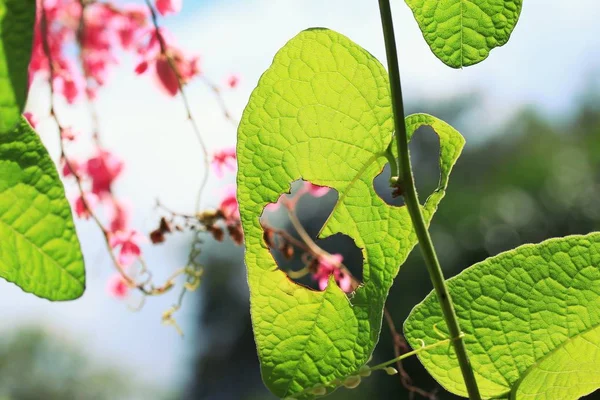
column 553, row 52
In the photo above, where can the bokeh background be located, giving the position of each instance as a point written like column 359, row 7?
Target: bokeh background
column 530, row 171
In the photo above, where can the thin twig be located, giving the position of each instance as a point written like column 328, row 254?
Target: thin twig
column 165, row 52
column 106, row 234
column 216, row 90
column 400, row 347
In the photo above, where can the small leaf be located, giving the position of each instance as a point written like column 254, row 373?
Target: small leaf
column 463, row 32
column 17, row 20
column 531, row 318
column 322, row 112
column 39, row 250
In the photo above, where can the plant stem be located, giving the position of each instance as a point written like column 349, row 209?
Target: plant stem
column 414, row 209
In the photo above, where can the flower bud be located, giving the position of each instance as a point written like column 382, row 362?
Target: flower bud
column 364, row 371
column 319, row 391
column 391, row 370
column 352, row 382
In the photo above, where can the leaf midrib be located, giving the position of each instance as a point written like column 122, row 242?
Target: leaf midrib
column 515, row 386
column 312, row 330
column 462, row 30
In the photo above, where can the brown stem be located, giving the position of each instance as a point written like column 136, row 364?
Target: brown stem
column 106, row 234
column 400, row 347
column 164, row 51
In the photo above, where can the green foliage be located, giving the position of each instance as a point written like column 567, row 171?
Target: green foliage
column 463, row 32
column 322, row 112
column 17, row 18
column 39, row 249
column 531, row 317
column 35, row 364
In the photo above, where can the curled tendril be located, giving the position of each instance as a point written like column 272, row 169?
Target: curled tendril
column 438, row 332
column 167, row 319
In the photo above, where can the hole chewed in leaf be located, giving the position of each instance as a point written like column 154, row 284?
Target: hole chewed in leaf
column 424, row 150
column 333, row 128
column 291, row 227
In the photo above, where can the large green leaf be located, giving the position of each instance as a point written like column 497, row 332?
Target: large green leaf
column 322, row 112
column 531, row 317
column 39, row 250
column 463, row 32
column 17, row 19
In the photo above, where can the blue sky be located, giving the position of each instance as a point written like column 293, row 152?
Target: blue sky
column 553, row 51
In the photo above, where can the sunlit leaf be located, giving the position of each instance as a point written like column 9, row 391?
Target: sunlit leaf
column 322, row 112
column 17, row 19
column 39, row 250
column 463, row 32
column 531, row 317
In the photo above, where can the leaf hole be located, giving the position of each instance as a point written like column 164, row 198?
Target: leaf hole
column 424, row 150
column 291, row 227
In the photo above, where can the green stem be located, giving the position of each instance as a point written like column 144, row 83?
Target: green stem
column 414, row 209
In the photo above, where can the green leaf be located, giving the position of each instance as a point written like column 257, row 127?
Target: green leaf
column 17, row 20
column 531, row 317
column 39, row 250
column 463, row 32
column 322, row 112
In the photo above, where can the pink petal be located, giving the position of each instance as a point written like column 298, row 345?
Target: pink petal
column 119, row 215
column 345, row 283
column 233, row 81
column 31, row 119
column 323, row 283
column 117, row 287
column 315, row 190
column 80, row 207
column 167, row 78
column 166, row 7
column 141, row 67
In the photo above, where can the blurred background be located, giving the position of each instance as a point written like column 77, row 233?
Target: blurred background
column 530, row 171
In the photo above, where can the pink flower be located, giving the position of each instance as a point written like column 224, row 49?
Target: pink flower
column 103, row 169
column 233, row 81
column 117, row 287
column 154, row 60
column 229, row 205
column 224, row 159
column 166, row 7
column 31, row 119
column 132, row 24
column 81, row 209
column 315, row 190
column 119, row 216
column 167, row 78
column 108, row 30
column 330, row 265
column 129, row 243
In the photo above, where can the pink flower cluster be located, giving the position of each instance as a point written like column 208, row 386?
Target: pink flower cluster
column 222, row 161
column 307, row 187
column 98, row 173
column 101, row 31
column 169, row 69
column 105, row 31
column 330, row 265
